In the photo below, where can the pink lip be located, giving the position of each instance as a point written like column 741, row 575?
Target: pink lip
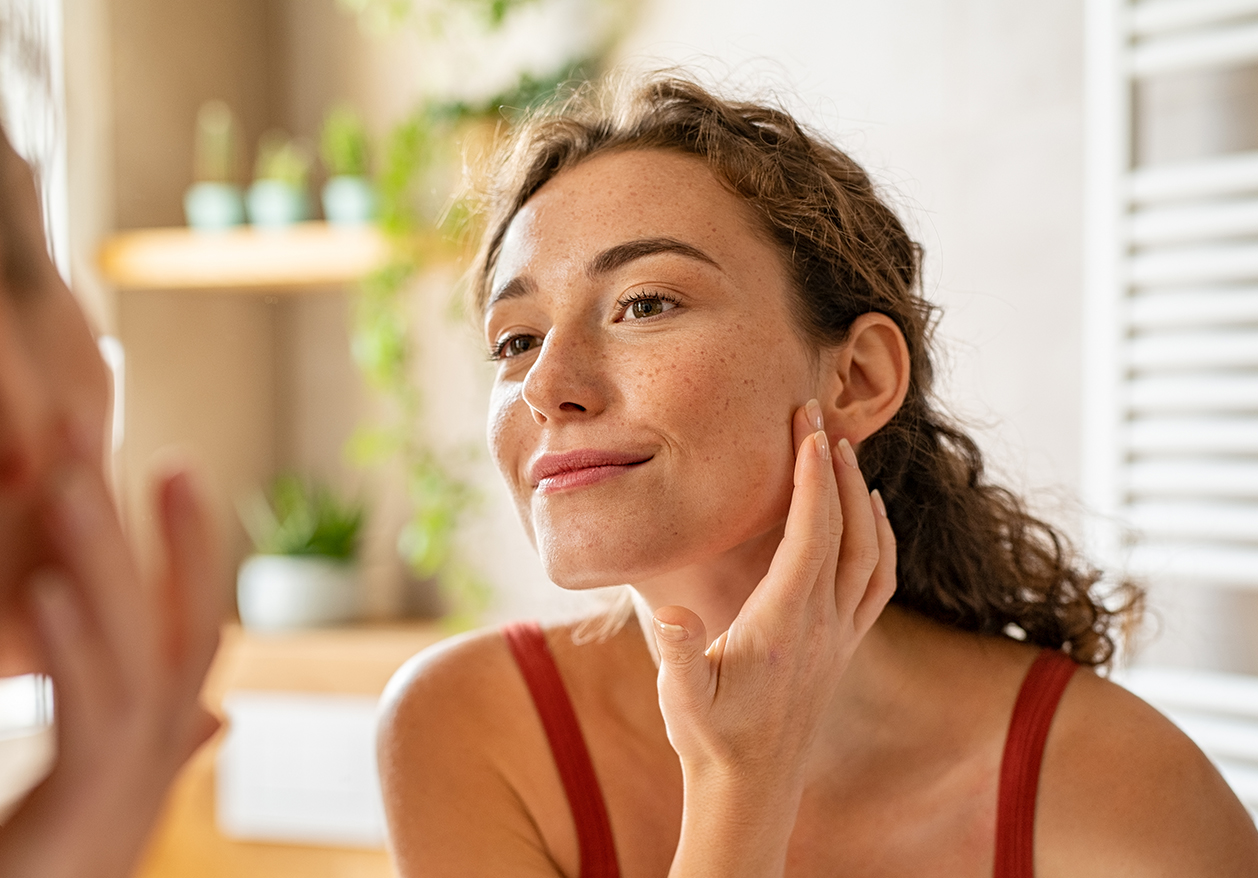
column 577, row 469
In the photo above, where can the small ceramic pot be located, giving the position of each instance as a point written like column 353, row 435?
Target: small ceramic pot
column 211, row 207
column 283, row 592
column 274, row 204
column 349, row 201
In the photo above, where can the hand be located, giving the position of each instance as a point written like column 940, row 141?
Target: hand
column 127, row 659
column 748, row 707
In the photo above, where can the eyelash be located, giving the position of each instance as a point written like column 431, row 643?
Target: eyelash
column 645, row 296
column 498, row 351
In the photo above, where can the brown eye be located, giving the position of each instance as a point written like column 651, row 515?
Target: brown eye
column 649, row 305
column 515, row 345
column 647, row 308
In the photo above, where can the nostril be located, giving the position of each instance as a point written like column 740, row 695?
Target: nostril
column 571, row 407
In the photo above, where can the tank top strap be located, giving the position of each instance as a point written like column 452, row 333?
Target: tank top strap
column 572, row 758
column 1020, row 765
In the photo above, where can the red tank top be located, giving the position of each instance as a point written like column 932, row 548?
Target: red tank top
column 1019, row 767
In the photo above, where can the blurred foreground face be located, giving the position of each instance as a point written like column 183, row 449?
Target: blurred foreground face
column 53, row 387
column 648, row 370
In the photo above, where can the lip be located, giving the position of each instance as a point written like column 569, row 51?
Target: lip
column 574, row 469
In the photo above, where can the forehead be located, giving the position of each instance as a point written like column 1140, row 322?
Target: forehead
column 623, row 196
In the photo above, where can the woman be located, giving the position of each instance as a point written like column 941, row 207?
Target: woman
column 709, row 346
column 126, row 656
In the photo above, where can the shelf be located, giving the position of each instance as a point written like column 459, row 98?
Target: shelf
column 304, row 256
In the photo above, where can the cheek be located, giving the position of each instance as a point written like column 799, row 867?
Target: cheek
column 509, row 432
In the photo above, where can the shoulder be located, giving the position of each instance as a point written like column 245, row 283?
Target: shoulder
column 456, row 678
column 464, row 765
column 1124, row 791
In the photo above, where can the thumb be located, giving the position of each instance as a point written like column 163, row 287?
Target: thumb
column 684, row 668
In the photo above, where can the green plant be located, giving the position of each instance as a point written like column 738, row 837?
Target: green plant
column 214, row 150
column 298, row 516
column 343, row 143
column 282, row 158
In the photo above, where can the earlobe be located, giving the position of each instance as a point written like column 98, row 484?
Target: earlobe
column 868, row 378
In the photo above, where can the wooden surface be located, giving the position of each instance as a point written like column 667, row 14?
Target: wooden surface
column 294, row 260
column 357, row 660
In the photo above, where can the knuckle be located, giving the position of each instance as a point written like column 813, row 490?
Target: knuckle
column 865, row 558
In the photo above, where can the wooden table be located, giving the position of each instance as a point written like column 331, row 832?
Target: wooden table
column 356, row 661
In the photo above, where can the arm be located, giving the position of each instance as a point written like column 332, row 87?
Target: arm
column 127, row 658
column 743, row 713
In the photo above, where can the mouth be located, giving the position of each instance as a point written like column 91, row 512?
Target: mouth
column 575, row 469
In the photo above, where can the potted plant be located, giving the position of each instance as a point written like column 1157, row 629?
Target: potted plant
column 305, row 571
column 278, row 197
column 349, row 199
column 214, row 201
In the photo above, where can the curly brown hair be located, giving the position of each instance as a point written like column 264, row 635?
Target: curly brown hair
column 970, row 555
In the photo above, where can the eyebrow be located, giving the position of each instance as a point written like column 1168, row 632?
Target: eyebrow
column 608, row 261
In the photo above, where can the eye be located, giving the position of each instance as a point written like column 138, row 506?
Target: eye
column 514, row 346
column 645, row 304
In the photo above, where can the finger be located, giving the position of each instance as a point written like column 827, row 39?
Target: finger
column 807, row 420
column 194, row 589
column 811, row 531
column 685, row 678
column 84, row 528
column 859, row 553
column 882, row 583
column 78, row 660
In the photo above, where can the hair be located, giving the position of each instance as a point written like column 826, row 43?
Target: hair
column 969, row 554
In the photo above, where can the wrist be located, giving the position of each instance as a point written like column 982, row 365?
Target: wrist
column 735, row 823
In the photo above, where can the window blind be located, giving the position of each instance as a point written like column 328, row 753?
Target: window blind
column 1171, row 455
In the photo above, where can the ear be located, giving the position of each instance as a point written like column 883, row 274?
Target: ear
column 865, row 379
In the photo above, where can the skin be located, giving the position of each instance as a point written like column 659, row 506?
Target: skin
column 127, row 654
column 775, row 719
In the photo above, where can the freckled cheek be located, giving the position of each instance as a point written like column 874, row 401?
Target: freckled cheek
column 508, row 432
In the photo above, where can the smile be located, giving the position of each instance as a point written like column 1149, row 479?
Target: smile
column 579, row 469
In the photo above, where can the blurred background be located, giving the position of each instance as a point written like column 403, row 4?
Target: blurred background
column 254, row 200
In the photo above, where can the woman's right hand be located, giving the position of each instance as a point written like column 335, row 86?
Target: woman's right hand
column 743, row 712
column 127, row 658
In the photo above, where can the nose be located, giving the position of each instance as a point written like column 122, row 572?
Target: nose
column 566, row 380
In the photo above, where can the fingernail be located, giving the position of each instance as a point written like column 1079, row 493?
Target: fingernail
column 878, row 504
column 823, row 444
column 812, row 410
column 846, row 452
column 669, row 631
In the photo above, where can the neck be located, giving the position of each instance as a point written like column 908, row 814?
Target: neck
column 715, row 589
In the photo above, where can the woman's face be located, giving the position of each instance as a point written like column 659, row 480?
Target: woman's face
column 53, row 390
column 648, row 370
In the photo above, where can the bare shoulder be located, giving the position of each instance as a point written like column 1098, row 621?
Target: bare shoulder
column 1124, row 792
column 463, row 765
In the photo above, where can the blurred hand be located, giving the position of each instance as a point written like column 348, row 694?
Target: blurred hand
column 127, row 658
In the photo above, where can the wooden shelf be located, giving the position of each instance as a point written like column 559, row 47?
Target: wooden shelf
column 304, row 256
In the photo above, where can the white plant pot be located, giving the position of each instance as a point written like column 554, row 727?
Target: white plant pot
column 281, row 592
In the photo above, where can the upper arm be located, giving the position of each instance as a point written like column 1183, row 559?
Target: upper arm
column 1124, row 792
column 452, row 806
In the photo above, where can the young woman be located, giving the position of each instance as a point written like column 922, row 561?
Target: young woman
column 126, row 656
column 710, row 345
